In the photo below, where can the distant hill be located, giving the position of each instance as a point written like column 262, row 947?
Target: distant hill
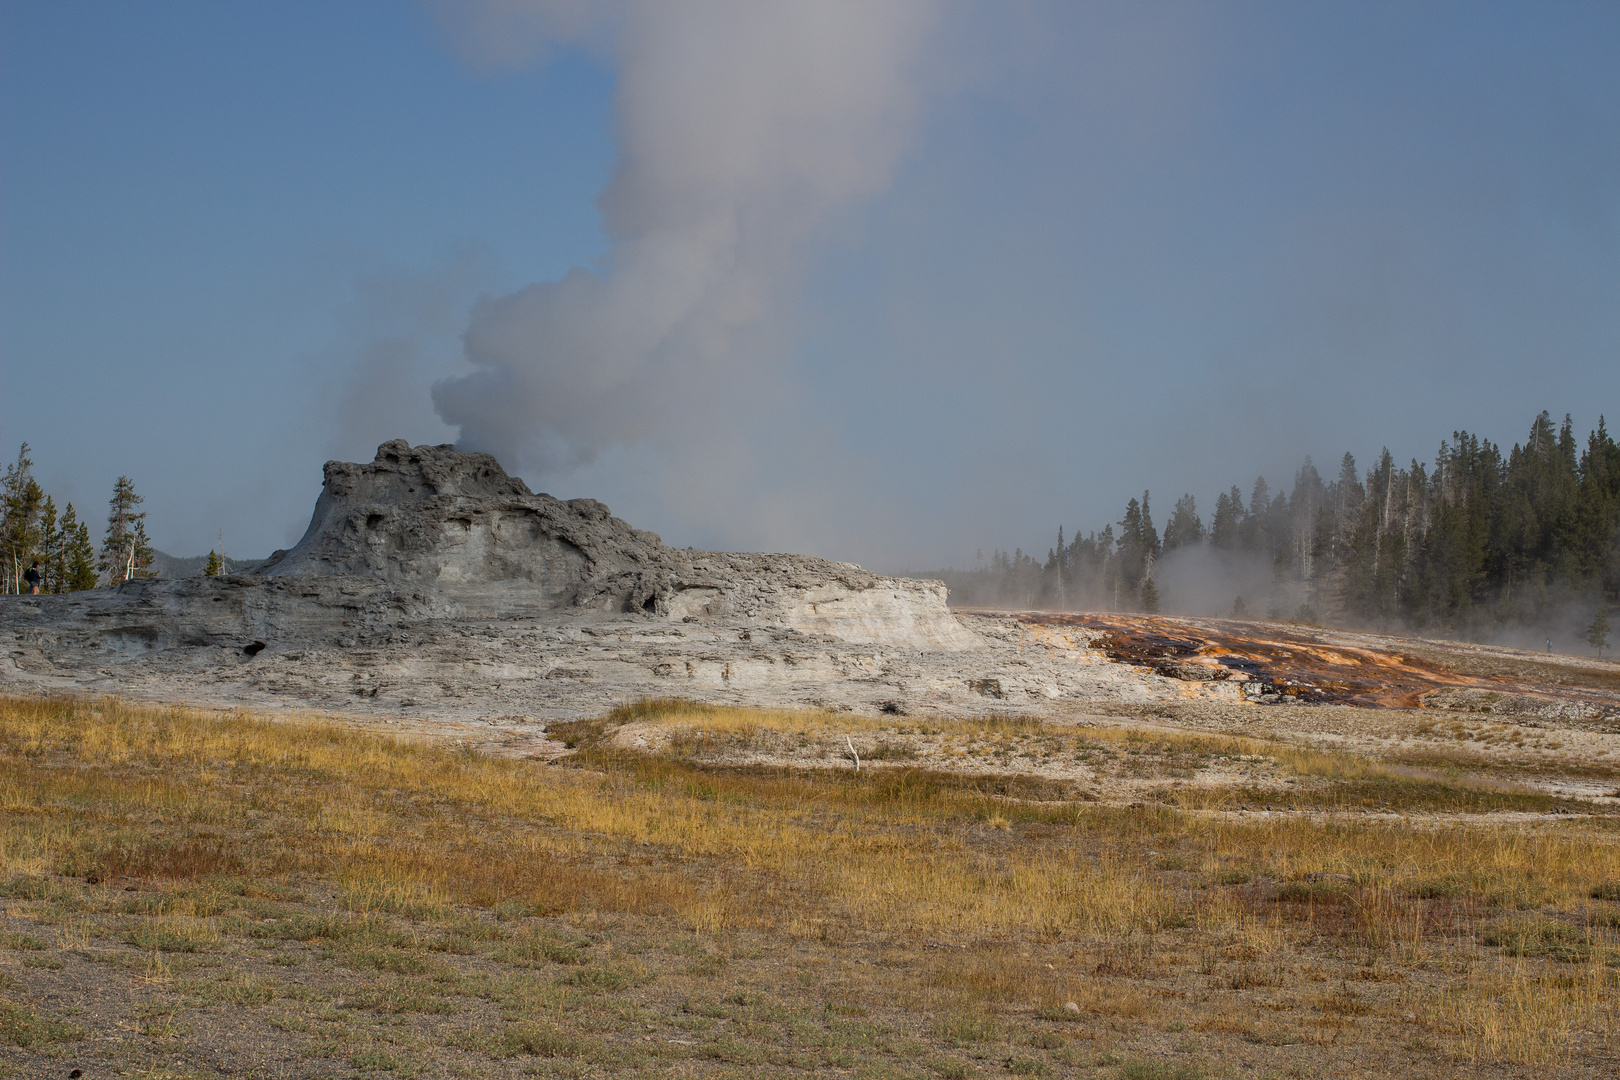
column 176, row 566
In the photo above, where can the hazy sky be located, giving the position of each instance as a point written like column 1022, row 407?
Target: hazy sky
column 888, row 282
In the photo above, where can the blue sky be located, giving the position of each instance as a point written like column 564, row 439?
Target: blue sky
column 998, row 271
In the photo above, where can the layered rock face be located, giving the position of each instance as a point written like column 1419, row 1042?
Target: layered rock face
column 457, row 531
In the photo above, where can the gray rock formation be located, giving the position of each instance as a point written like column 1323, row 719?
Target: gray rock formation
column 430, row 580
column 471, row 541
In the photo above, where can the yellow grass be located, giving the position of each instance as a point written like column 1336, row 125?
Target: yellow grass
column 413, row 829
column 1524, row 1015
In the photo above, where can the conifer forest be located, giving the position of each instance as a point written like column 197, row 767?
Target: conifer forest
column 57, row 546
column 1478, row 539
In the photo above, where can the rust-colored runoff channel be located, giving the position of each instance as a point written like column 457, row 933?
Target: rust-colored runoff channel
column 1275, row 661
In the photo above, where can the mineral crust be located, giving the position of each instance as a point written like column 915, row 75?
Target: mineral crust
column 432, row 584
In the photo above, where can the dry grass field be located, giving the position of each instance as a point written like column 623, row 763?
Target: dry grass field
column 709, row 892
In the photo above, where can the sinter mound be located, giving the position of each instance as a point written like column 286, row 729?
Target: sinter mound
column 432, row 585
column 456, row 527
column 431, row 580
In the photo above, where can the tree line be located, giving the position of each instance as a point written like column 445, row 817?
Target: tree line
column 1479, row 537
column 33, row 533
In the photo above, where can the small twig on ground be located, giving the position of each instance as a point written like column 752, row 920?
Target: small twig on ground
column 851, row 743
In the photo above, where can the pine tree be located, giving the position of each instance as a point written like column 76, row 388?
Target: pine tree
column 1226, row 528
column 1150, row 535
column 1184, row 527
column 21, row 505
column 1132, row 548
column 1594, row 534
column 1597, row 632
column 125, row 553
column 216, row 565
column 50, row 548
column 1255, row 534
column 1150, row 597
column 1479, row 537
column 78, row 554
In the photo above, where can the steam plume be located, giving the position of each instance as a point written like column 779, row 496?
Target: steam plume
column 745, row 130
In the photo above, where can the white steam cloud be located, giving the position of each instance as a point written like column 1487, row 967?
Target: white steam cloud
column 747, row 129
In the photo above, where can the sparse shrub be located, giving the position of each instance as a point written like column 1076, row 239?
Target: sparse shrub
column 733, row 1051
column 395, row 960
column 21, row 1026
column 239, row 990
column 1437, row 890
column 1557, row 940
column 378, row 1060
column 396, row 1000
column 1313, row 892
column 174, row 934
column 1159, row 1070
column 1607, row 890
column 969, row 1029
column 182, row 860
column 707, row 965
column 536, row 1039
column 29, row 887
column 540, row 1040
column 1344, row 1003
column 600, row 978
column 656, row 709
column 1061, row 1014
column 535, row 951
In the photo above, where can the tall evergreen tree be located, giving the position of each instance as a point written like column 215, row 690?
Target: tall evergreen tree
column 1226, row 529
column 1132, row 552
column 1150, row 535
column 22, row 505
column 1184, row 526
column 1255, row 533
column 1597, row 632
column 50, row 548
column 125, row 552
column 78, row 553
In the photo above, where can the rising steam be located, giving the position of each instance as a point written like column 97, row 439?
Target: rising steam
column 745, row 130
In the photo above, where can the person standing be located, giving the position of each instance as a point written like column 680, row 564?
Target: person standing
column 31, row 576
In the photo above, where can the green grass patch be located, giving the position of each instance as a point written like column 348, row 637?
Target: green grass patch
column 23, row 1027
column 1549, row 938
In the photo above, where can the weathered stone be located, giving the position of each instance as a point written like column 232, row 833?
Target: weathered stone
column 430, row 580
